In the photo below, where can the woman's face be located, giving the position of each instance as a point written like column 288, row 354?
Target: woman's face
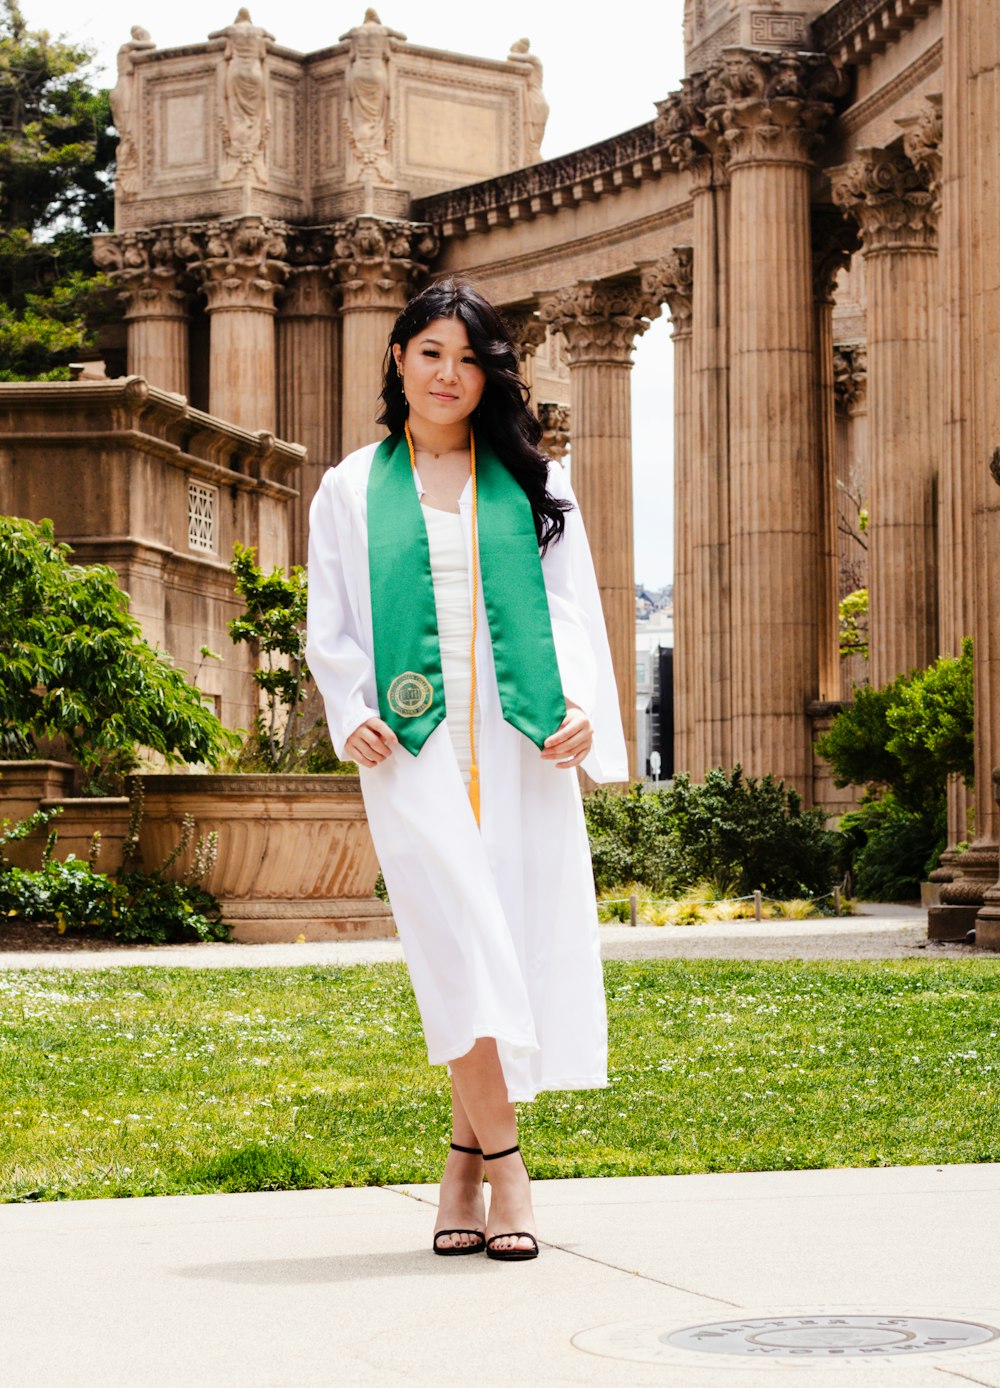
column 442, row 380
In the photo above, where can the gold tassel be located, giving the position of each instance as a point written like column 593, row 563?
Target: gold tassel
column 474, row 789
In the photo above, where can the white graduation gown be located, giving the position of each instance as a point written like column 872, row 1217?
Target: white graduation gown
column 498, row 922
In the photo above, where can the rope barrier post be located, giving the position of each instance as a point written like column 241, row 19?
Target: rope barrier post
column 633, row 910
column 756, row 906
column 836, row 901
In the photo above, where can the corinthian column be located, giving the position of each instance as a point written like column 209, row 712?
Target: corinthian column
column 832, row 245
column 377, row 262
column 600, row 322
column 770, row 108
column 528, row 333
column 307, row 380
column 897, row 217
column 153, row 287
column 670, row 281
column 972, row 94
column 240, row 266
column 700, row 150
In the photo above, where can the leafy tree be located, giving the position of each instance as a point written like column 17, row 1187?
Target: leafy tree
column 56, row 153
column 853, row 613
column 909, row 736
column 75, row 665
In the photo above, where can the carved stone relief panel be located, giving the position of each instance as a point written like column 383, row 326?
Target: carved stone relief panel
column 455, row 126
column 326, row 98
column 180, row 129
column 287, row 142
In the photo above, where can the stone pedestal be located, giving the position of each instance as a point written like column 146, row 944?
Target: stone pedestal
column 377, row 263
column 670, row 281
column 308, row 400
column 897, row 216
column 600, row 322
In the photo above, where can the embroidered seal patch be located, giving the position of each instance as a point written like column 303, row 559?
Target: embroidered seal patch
column 410, row 694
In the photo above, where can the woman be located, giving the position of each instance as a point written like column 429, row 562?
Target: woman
column 468, row 692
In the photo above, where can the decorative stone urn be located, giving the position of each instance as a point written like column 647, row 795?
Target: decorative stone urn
column 295, row 854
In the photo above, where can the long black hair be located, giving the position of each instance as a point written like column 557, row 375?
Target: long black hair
column 502, row 414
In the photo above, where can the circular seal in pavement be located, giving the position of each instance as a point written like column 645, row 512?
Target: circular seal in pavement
column 849, row 1338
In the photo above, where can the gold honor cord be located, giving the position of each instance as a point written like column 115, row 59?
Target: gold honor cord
column 473, row 767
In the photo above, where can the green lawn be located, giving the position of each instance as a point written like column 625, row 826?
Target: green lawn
column 144, row 1081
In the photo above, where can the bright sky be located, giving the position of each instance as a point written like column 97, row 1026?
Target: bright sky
column 600, row 78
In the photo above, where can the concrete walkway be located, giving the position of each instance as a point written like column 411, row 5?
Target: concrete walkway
column 876, row 932
column 338, row 1289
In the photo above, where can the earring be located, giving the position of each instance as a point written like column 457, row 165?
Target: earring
column 398, row 372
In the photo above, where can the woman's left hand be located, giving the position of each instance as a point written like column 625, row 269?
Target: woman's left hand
column 571, row 742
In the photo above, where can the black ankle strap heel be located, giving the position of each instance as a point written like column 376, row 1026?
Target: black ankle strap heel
column 510, row 1255
column 472, row 1151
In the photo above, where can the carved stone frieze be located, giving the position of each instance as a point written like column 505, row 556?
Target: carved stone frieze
column 670, row 281
column 888, row 197
column 600, row 319
column 554, row 419
column 377, row 260
column 922, row 141
column 850, row 376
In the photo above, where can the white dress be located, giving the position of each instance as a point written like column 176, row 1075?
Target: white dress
column 498, row 921
column 450, row 574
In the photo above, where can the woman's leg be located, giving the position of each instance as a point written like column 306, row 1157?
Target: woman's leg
column 461, row 1204
column 482, row 1091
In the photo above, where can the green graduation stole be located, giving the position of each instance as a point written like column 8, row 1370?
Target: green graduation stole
column 404, row 618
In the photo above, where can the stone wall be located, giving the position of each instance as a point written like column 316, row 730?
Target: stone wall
column 131, row 476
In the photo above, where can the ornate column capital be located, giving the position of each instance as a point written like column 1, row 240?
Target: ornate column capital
column 850, row 376
column 670, row 281
column 771, row 107
column 554, row 419
column 834, row 240
column 922, row 140
column 376, row 260
column 239, row 263
column 691, row 143
column 310, row 290
column 600, row 319
column 888, row 198
column 526, row 328
column 147, row 270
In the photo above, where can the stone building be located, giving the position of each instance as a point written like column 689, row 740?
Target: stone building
column 816, row 209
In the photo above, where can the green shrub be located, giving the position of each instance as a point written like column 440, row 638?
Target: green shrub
column 889, row 849
column 74, row 664
column 132, row 906
column 753, row 833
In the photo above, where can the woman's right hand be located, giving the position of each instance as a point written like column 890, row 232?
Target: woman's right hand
column 370, row 742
